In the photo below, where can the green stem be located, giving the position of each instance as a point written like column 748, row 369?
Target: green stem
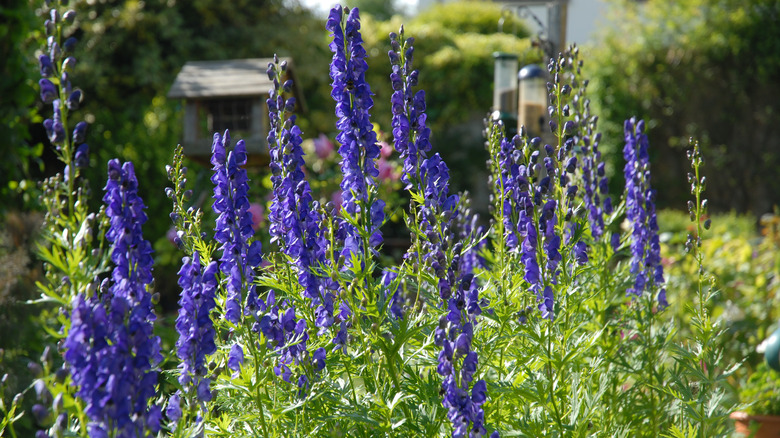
column 550, row 378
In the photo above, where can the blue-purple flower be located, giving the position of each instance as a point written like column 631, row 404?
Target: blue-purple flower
column 233, row 228
column 110, row 347
column 194, row 325
column 645, row 262
column 359, row 149
column 411, row 136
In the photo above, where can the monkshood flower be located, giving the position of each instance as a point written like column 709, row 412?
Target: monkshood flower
column 295, row 226
column 55, row 64
column 595, row 184
column 131, row 253
column 194, row 325
column 234, row 229
column 469, row 231
column 294, row 217
column 508, row 186
column 359, row 149
column 458, row 291
column 110, row 347
column 411, row 136
column 397, row 299
column 288, row 334
column 645, row 262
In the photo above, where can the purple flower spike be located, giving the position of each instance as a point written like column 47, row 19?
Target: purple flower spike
column 233, row 228
column 359, row 149
column 194, row 325
column 110, row 347
column 645, row 262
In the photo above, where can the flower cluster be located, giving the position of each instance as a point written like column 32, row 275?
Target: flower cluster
column 410, row 133
column 359, row 149
column 110, row 346
column 56, row 89
column 459, row 294
column 295, row 218
column 450, row 264
column 295, row 225
column 645, row 262
column 594, row 180
column 194, row 325
column 234, row 229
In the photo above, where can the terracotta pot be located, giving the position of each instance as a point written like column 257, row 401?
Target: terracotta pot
column 769, row 425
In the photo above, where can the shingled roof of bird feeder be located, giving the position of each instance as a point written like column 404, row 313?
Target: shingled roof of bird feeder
column 200, row 81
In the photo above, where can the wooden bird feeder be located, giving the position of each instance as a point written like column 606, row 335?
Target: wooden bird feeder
column 231, row 94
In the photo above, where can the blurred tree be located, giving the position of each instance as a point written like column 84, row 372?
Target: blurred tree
column 19, row 36
column 131, row 51
column 379, row 9
column 703, row 68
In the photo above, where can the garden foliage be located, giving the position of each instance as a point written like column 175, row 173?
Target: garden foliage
column 555, row 319
column 703, row 68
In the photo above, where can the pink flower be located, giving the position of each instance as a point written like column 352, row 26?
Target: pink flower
column 385, row 149
column 337, row 199
column 323, row 147
column 385, row 170
column 258, row 215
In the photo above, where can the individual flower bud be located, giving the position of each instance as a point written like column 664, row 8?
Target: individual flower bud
column 571, row 191
column 48, row 91
column 69, row 17
column 68, row 63
column 40, row 413
column 55, row 51
column 413, row 78
column 80, row 132
column 287, row 86
column 271, row 71
column 289, row 105
column 50, row 28
column 566, row 110
column 62, row 421
column 283, row 65
column 187, row 194
column 55, row 15
column 65, row 82
column 394, row 58
column 47, row 68
column 35, row 369
column 69, row 45
column 58, row 402
column 61, row 374
column 566, row 90
column 81, row 157
column 74, row 100
column 46, row 355
column 568, row 128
